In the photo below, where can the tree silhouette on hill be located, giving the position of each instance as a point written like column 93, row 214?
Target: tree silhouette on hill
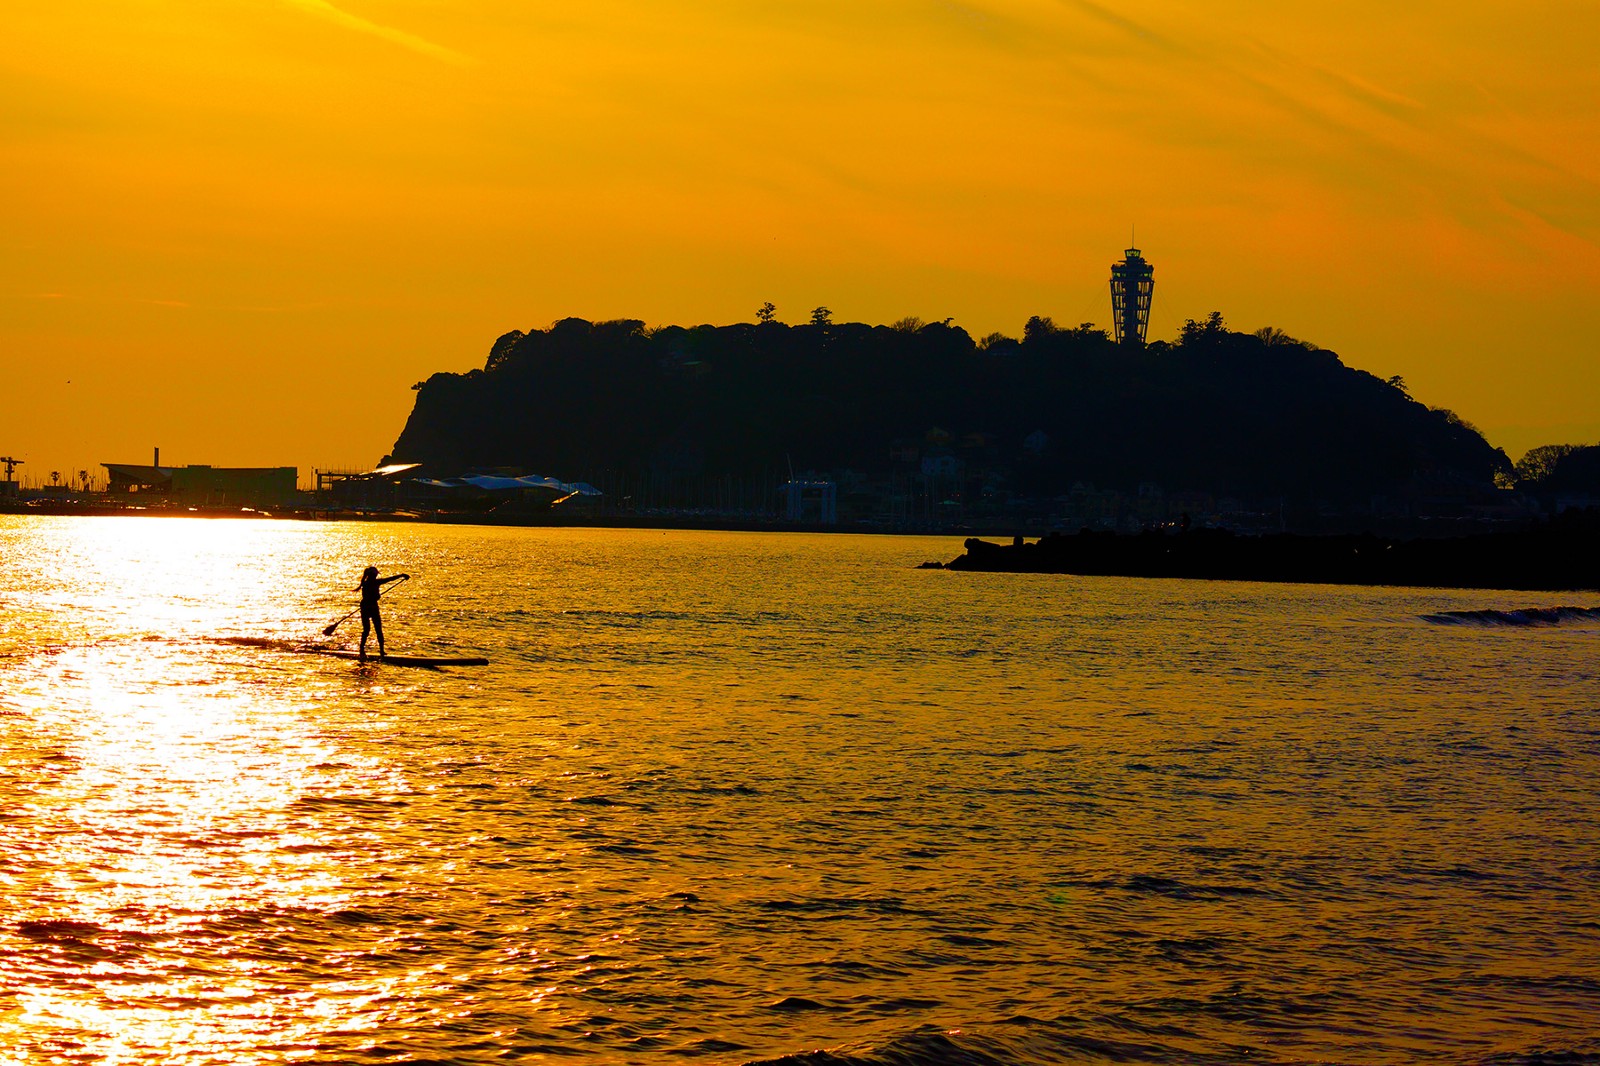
column 1560, row 468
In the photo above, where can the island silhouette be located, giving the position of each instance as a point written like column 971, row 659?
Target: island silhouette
column 1262, row 417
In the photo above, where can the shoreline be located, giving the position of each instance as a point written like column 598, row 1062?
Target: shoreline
column 1436, row 528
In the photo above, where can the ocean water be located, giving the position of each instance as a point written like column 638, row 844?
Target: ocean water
column 732, row 798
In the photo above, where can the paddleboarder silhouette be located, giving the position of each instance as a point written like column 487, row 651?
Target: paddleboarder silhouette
column 371, row 588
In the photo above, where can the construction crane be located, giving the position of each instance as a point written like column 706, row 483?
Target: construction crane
column 11, row 464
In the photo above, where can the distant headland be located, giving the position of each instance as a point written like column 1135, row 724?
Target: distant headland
column 918, row 424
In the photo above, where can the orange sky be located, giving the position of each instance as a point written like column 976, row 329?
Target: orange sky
column 241, row 229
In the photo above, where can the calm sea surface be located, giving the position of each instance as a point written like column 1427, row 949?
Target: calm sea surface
column 728, row 798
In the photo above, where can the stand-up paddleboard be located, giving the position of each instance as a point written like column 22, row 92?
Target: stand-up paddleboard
column 399, row 660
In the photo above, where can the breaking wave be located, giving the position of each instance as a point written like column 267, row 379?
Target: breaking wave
column 1524, row 616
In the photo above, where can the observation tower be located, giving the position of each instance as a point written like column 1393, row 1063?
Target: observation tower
column 1132, row 281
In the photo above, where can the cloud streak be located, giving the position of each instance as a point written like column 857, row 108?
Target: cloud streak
column 1478, row 174
column 325, row 10
column 1134, row 29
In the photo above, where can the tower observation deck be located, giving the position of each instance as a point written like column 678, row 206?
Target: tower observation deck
column 1132, row 281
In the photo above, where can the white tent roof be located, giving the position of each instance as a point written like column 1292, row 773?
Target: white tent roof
column 488, row 483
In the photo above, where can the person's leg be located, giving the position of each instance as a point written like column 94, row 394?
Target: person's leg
column 366, row 627
column 377, row 624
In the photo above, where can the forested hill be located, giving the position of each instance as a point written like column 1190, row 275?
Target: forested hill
column 1215, row 411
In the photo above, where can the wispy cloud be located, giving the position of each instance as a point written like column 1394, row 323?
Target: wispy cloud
column 1135, row 29
column 343, row 18
column 1381, row 130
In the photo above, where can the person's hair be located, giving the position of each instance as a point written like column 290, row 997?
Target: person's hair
column 371, row 571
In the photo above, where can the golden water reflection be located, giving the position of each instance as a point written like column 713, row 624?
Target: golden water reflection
column 160, row 793
column 727, row 797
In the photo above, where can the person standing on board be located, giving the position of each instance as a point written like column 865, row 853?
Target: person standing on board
column 371, row 588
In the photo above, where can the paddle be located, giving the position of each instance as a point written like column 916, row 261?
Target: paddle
column 328, row 632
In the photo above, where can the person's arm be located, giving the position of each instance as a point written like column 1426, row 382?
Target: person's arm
column 397, row 577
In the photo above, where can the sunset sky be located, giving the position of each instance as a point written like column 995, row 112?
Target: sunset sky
column 241, row 229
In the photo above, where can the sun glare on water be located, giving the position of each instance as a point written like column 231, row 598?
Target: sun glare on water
column 158, row 786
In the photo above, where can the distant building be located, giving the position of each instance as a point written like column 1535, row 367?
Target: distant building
column 210, row 486
column 379, row 489
column 811, row 501
column 1132, row 282
column 125, row 479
